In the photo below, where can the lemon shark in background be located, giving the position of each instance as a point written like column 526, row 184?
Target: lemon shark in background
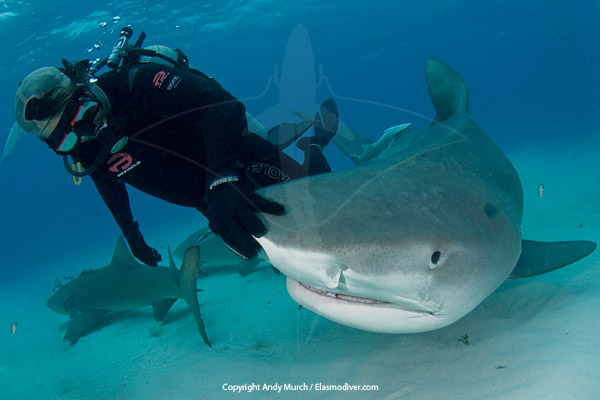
column 125, row 285
column 418, row 233
column 215, row 256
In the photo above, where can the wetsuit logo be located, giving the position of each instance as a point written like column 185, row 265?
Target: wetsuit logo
column 271, row 171
column 159, row 78
column 121, row 164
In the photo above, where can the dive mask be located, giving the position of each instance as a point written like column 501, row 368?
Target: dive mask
column 78, row 122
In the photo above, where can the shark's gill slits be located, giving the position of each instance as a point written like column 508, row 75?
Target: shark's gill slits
column 354, row 299
column 68, row 304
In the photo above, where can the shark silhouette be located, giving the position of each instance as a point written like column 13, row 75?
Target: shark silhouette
column 297, row 81
column 421, row 231
column 124, row 285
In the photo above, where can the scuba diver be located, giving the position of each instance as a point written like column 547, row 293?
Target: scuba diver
column 169, row 130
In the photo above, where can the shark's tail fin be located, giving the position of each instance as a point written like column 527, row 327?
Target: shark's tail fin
column 187, row 284
column 447, row 90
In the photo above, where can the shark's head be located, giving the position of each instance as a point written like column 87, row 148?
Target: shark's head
column 62, row 303
column 415, row 265
column 412, row 239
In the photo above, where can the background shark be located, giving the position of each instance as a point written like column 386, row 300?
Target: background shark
column 418, row 234
column 124, row 285
column 11, row 141
column 215, row 256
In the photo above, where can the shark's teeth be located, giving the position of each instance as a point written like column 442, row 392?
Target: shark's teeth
column 353, row 299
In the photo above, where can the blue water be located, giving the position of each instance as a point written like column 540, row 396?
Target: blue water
column 533, row 69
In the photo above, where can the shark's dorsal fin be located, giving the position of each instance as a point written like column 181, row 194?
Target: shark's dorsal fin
column 447, row 90
column 540, row 257
column 122, row 258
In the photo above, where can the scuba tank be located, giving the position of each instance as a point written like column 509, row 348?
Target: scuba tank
column 118, row 51
column 125, row 55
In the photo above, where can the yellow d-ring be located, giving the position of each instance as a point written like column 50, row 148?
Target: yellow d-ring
column 77, row 179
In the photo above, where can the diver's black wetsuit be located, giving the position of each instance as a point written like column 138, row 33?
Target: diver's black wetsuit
column 183, row 131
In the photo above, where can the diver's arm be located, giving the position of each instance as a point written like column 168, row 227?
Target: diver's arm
column 116, row 199
column 232, row 203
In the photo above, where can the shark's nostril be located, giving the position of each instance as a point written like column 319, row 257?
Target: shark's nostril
column 435, row 259
column 490, row 210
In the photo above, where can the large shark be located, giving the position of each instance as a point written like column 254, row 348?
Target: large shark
column 421, row 231
column 125, row 285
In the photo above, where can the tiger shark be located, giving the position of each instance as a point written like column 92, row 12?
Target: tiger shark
column 418, row 233
column 125, row 285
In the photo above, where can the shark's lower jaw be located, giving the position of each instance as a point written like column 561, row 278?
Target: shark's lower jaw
column 364, row 313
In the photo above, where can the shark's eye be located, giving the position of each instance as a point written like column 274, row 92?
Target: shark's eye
column 435, row 259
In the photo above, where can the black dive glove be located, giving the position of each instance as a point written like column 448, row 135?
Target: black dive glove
column 326, row 126
column 232, row 208
column 139, row 248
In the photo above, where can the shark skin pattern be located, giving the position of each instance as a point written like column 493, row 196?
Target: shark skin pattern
column 125, row 285
column 418, row 233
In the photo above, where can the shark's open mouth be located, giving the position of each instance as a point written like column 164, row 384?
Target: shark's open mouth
column 407, row 306
column 345, row 297
column 403, row 316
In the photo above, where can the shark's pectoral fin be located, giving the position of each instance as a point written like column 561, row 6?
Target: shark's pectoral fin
column 201, row 274
column 161, row 309
column 540, row 257
column 248, row 266
column 82, row 322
